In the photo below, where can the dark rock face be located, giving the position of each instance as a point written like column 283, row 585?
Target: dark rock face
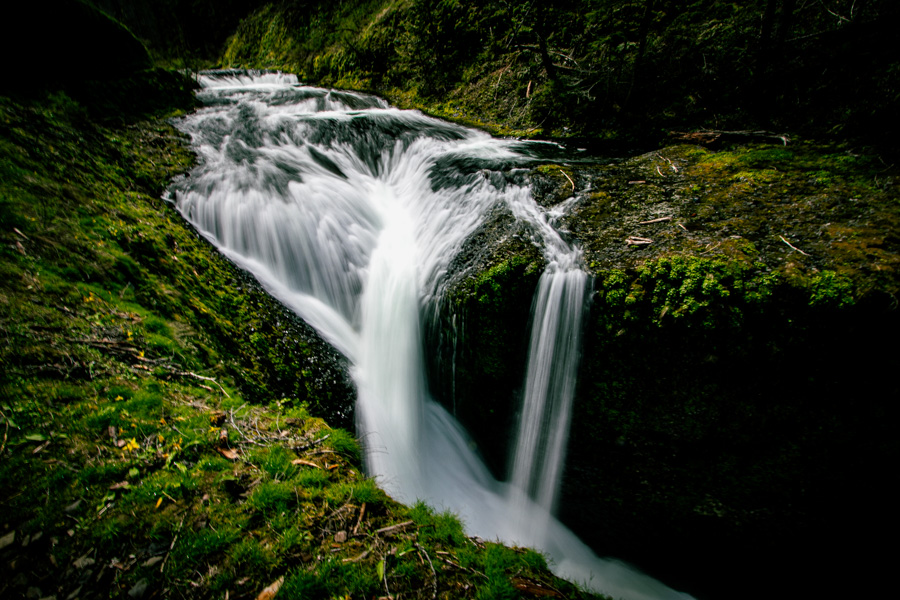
column 479, row 332
column 733, row 424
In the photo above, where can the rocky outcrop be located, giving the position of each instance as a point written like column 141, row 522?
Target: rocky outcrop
column 735, row 408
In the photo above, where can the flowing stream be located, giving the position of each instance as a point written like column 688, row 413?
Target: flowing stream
column 350, row 211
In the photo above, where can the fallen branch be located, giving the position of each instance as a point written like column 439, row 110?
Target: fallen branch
column 671, row 164
column 569, row 178
column 793, row 247
column 311, row 444
column 659, row 220
column 201, row 377
column 238, row 429
column 357, row 558
column 394, row 528
column 172, row 545
column 637, row 241
column 433, row 572
column 462, row 568
column 714, row 137
column 362, row 513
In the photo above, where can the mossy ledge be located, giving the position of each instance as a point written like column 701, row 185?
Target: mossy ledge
column 161, row 414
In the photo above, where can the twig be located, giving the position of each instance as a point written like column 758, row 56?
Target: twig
column 637, row 241
column 433, row 572
column 659, row 220
column 671, row 164
column 311, row 444
column 658, row 171
column 362, row 513
column 683, row 227
column 793, row 247
column 357, row 558
column 569, row 178
column 384, row 577
column 238, row 429
column 195, row 376
column 393, row 528
column 172, row 545
column 462, row 568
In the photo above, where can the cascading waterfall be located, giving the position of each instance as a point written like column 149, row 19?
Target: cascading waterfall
column 349, row 212
column 550, row 386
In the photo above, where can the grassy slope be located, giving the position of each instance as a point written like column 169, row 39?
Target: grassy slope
column 155, row 404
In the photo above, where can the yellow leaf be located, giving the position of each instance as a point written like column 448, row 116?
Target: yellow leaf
column 158, row 502
column 270, row 592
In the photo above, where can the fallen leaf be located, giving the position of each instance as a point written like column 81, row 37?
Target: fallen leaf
column 139, row 589
column 270, row 592
column 7, row 539
column 83, row 562
column 228, row 453
column 158, row 502
column 300, row 461
column 152, row 561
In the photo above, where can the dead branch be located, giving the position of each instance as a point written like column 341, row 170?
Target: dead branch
column 659, row 220
column 310, row 444
column 461, row 568
column 393, row 528
column 716, row 137
column 633, row 240
column 793, row 247
column 362, row 513
column 671, row 164
column 569, row 178
column 172, row 545
column 238, row 429
column 357, row 558
column 201, row 377
column 433, row 572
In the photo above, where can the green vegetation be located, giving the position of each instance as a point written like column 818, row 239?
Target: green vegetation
column 596, row 68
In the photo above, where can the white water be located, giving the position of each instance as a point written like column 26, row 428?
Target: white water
column 349, row 212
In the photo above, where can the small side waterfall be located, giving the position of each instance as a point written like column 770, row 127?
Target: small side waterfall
column 550, row 385
column 350, row 212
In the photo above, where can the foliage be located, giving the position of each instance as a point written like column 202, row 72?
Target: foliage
column 597, row 67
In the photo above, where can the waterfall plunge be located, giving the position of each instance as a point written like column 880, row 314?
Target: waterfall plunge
column 336, row 204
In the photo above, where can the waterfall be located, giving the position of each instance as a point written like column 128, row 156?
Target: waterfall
column 350, row 211
column 549, row 386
